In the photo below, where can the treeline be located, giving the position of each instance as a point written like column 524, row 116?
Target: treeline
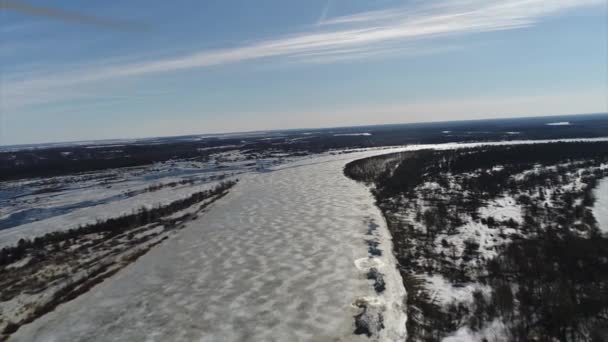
column 369, row 170
column 551, row 153
column 59, row 161
column 159, row 186
column 111, row 226
column 431, row 165
column 54, row 161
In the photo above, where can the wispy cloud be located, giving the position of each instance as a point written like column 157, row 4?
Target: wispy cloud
column 354, row 36
column 325, row 12
column 71, row 17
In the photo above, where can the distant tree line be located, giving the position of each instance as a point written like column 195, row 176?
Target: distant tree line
column 428, row 165
column 54, row 161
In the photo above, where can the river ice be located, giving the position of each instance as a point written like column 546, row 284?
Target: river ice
column 283, row 257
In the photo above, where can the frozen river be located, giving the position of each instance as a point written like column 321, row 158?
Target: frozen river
column 283, row 257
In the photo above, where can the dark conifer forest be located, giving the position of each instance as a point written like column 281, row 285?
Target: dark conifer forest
column 544, row 277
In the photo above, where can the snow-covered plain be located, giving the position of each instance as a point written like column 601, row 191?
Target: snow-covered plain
column 283, row 257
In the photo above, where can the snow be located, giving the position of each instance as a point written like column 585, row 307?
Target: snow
column 429, row 186
column 217, row 147
column 105, row 146
column 98, row 212
column 454, row 145
column 282, row 257
column 495, row 331
column 475, row 231
column 445, row 293
column 156, row 230
column 43, row 198
column 19, row 263
column 600, row 208
column 33, row 207
column 502, row 208
column 352, row 134
column 561, row 123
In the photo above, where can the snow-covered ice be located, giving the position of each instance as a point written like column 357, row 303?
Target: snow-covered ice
column 283, row 257
column 352, row 134
column 561, row 123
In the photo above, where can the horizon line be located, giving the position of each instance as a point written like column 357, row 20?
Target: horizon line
column 135, row 139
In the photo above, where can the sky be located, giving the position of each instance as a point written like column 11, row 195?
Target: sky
column 97, row 69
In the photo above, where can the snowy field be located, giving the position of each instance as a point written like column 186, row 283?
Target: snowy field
column 283, row 257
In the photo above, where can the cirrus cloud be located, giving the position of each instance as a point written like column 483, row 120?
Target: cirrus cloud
column 358, row 35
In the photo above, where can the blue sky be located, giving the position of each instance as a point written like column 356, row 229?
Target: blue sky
column 93, row 69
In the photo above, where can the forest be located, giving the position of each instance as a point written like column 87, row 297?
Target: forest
column 543, row 277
